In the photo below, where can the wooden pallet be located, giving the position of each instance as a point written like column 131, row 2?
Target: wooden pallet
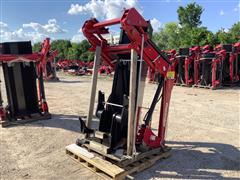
column 108, row 170
column 26, row 119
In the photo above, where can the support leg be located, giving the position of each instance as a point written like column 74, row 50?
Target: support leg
column 94, row 85
column 132, row 104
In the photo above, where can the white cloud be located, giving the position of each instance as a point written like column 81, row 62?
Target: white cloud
column 78, row 37
column 37, row 31
column 51, row 27
column 156, row 24
column 237, row 8
column 3, row 27
column 226, row 30
column 222, row 13
column 20, row 35
column 104, row 9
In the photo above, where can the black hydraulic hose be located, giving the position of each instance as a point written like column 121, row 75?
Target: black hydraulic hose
column 156, row 98
column 42, row 85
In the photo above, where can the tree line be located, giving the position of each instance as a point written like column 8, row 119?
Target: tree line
column 187, row 32
column 68, row 50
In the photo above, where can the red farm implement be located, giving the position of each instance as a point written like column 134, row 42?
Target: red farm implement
column 121, row 128
column 231, row 63
column 23, row 74
column 75, row 67
column 184, row 65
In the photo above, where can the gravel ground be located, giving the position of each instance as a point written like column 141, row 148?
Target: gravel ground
column 203, row 130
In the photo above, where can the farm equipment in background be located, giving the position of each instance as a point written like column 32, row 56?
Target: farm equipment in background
column 23, row 74
column 197, row 70
column 120, row 138
column 181, row 56
column 75, row 67
column 105, row 69
column 78, row 67
column 235, row 56
column 205, row 66
column 208, row 69
column 48, row 69
column 230, row 70
column 185, row 65
column 51, row 67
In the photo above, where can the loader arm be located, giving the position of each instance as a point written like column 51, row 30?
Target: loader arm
column 136, row 28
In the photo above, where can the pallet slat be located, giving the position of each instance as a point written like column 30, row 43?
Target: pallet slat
column 108, row 170
column 97, row 163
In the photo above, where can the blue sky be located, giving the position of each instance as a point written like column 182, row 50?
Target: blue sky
column 62, row 19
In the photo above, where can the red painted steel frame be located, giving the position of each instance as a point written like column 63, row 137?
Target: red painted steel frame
column 195, row 52
column 151, row 74
column 217, row 61
column 234, row 77
column 233, row 70
column 203, row 50
column 220, row 56
column 134, row 24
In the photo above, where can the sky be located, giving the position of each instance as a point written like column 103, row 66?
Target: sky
column 62, row 19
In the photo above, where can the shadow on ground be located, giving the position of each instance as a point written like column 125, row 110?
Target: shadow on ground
column 70, row 82
column 189, row 160
column 196, row 160
column 67, row 122
column 235, row 87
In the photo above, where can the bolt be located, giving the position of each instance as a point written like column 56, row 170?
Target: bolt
column 164, row 68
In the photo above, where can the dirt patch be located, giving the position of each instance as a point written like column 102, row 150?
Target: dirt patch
column 203, row 131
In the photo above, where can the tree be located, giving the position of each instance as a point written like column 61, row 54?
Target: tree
column 62, row 46
column 74, row 52
column 235, row 32
column 37, row 47
column 87, row 56
column 191, row 33
column 185, row 37
column 190, row 16
column 84, row 46
column 168, row 37
column 201, row 36
column 223, row 37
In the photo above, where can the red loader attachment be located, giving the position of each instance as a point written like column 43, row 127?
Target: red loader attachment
column 231, row 63
column 205, row 67
column 121, row 127
column 134, row 30
column 184, row 65
column 208, row 68
column 23, row 74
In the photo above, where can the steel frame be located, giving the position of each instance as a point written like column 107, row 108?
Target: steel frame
column 134, row 26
